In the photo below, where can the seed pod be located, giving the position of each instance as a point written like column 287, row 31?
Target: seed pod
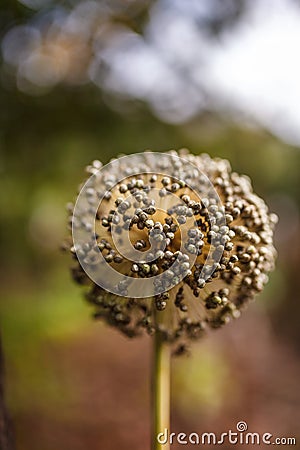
column 206, row 246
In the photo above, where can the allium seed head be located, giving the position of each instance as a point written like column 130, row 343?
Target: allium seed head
column 170, row 242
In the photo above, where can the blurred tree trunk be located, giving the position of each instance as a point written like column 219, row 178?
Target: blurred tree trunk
column 6, row 438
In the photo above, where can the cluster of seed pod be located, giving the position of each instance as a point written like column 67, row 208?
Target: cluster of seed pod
column 185, row 223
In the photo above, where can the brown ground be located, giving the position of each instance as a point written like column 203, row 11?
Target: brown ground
column 108, row 378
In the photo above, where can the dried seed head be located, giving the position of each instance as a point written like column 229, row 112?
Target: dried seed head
column 185, row 225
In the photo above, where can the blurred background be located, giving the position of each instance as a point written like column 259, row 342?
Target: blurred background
column 84, row 80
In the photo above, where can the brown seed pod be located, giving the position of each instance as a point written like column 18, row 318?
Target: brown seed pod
column 196, row 232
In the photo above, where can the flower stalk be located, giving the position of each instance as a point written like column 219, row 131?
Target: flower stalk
column 160, row 390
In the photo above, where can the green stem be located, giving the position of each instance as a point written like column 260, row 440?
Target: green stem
column 160, row 391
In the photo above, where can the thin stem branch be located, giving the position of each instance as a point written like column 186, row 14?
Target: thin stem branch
column 6, row 436
column 160, row 391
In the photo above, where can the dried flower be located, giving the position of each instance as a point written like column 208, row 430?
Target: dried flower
column 170, row 242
